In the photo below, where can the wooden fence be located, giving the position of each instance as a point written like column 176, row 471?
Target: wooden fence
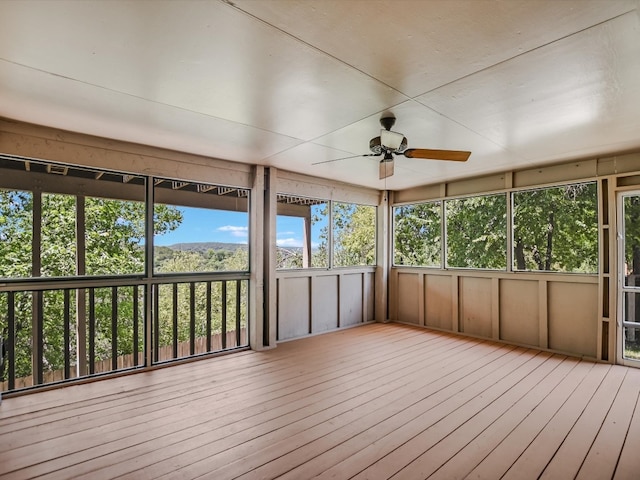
column 127, row 361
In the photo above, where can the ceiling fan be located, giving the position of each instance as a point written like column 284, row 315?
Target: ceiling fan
column 391, row 143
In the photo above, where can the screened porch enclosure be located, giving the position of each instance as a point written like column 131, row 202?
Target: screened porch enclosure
column 520, row 281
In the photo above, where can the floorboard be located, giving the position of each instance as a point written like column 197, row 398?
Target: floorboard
column 373, row 402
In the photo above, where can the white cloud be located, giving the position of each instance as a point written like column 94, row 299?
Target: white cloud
column 289, row 242
column 235, row 230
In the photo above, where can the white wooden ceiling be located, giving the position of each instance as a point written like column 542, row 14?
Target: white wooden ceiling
column 288, row 83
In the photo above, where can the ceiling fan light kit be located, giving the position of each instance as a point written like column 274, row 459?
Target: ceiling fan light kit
column 380, row 145
column 393, row 141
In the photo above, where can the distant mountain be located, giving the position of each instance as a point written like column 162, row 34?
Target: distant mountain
column 205, row 246
column 217, row 246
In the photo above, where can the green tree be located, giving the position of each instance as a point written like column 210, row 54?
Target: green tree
column 556, row 229
column 354, row 234
column 169, row 260
column 288, row 257
column 16, row 233
column 319, row 223
column 417, row 234
column 477, row 232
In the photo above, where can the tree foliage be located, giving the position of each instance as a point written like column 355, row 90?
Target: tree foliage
column 417, row 234
column 288, row 258
column 16, row 233
column 354, row 234
column 556, row 229
column 477, row 232
column 319, row 224
column 169, row 260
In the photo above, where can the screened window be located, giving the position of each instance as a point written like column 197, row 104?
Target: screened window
column 58, row 242
column 354, row 234
column 200, row 228
column 74, row 234
column 416, row 231
column 16, row 233
column 79, row 222
column 556, row 229
column 114, row 236
column 477, row 232
column 302, row 234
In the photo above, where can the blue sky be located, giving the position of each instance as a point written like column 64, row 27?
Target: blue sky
column 204, row 225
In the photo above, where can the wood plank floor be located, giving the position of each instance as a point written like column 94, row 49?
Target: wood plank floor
column 376, row 402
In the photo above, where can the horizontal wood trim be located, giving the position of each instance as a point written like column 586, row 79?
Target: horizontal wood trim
column 500, row 274
column 321, row 272
column 37, row 142
column 313, row 187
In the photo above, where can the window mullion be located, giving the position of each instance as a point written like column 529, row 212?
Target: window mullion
column 510, row 219
column 81, row 308
column 330, row 234
column 443, row 236
column 148, row 266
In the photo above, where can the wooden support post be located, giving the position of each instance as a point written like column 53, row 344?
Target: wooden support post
column 383, row 264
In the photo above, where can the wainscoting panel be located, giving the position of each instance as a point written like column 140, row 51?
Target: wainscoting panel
column 315, row 301
column 551, row 311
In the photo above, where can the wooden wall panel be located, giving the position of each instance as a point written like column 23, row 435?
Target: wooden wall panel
column 369, row 296
column 293, row 307
column 324, row 305
column 407, row 298
column 316, row 301
column 437, row 294
column 350, row 299
column 475, row 306
column 519, row 313
column 573, row 317
column 556, row 312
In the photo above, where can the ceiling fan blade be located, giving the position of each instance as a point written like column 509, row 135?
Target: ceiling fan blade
column 346, row 158
column 451, row 155
column 386, row 168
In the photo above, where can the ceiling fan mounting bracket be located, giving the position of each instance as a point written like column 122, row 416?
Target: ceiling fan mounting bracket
column 387, row 122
